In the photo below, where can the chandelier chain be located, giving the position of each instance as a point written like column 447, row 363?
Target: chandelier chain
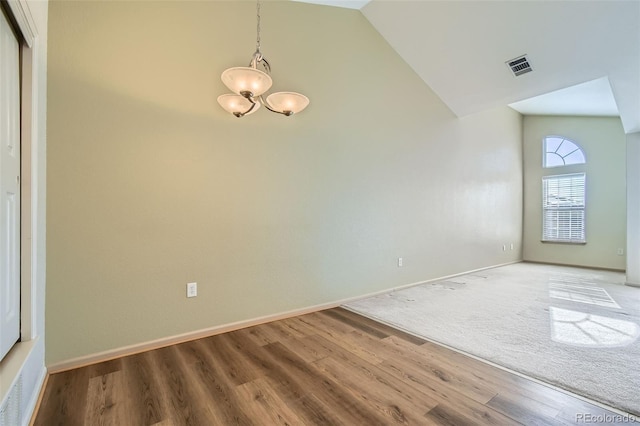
column 258, row 26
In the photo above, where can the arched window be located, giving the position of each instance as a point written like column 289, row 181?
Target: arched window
column 559, row 151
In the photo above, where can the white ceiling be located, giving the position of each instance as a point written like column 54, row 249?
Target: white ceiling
column 593, row 98
column 459, row 48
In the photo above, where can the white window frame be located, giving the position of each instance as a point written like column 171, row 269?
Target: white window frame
column 566, row 202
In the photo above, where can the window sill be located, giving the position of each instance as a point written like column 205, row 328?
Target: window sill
column 572, row 243
column 11, row 365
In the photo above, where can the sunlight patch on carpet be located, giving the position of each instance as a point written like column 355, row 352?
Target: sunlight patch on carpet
column 581, row 293
column 584, row 329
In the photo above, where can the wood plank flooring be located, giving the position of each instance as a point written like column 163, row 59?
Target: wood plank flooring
column 332, row 367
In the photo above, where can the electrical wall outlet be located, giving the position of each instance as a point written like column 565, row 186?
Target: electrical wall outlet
column 399, row 262
column 620, row 252
column 511, row 246
column 192, row 289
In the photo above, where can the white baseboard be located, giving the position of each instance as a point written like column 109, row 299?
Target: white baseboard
column 445, row 277
column 573, row 265
column 180, row 338
column 224, row 328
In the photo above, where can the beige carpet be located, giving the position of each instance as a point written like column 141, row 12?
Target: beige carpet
column 575, row 328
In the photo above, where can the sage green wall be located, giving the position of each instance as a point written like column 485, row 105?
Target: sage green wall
column 604, row 143
column 152, row 185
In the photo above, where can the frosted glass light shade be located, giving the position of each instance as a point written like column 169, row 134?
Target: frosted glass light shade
column 236, row 104
column 288, row 102
column 240, row 79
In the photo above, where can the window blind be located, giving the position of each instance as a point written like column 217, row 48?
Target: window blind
column 563, row 205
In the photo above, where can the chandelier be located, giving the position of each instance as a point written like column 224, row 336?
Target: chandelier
column 249, row 84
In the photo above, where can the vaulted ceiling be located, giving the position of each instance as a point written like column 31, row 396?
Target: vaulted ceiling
column 459, row 48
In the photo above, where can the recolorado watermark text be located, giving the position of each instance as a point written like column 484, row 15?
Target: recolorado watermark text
column 605, row 418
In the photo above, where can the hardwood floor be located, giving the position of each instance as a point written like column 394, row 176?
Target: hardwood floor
column 332, row 368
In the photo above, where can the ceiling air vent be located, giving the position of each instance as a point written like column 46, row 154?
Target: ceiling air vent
column 520, row 65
